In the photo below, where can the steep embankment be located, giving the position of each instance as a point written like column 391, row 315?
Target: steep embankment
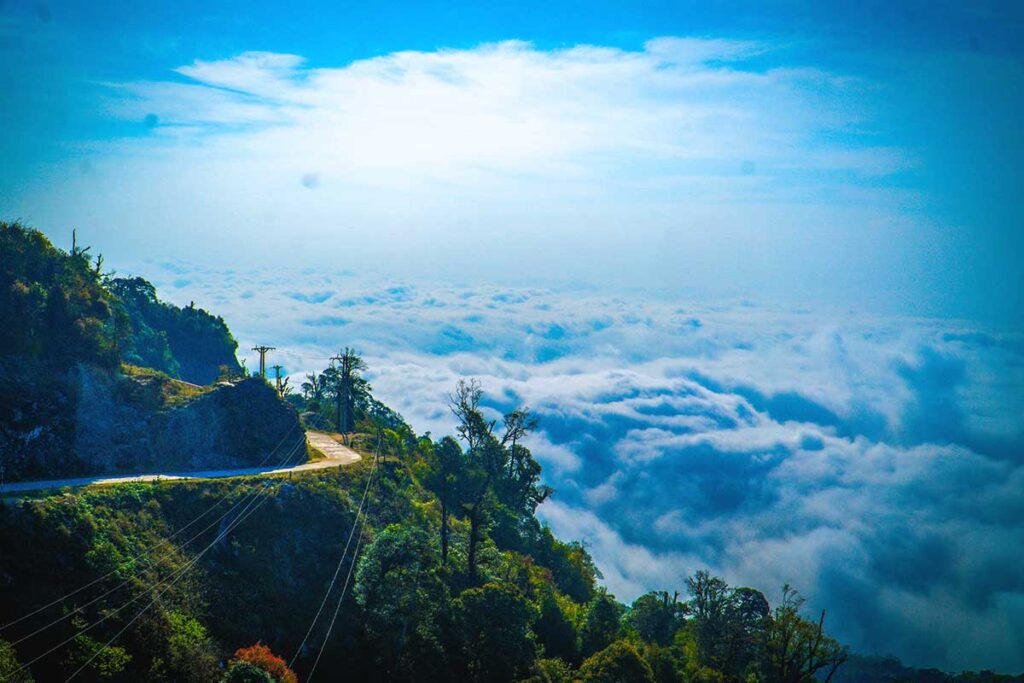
column 229, row 425
column 89, row 420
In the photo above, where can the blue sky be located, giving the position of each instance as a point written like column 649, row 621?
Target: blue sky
column 757, row 266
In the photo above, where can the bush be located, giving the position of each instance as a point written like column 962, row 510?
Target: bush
column 259, row 655
column 9, row 664
column 617, row 663
column 245, row 672
column 494, row 621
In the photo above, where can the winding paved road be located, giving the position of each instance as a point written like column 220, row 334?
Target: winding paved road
column 335, row 454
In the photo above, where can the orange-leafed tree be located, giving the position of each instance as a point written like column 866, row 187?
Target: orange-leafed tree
column 260, row 655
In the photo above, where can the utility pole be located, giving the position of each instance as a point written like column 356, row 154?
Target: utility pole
column 262, row 350
column 277, row 377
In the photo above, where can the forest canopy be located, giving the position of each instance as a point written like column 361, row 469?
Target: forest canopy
column 65, row 309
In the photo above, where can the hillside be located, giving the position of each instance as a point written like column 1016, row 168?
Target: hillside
column 528, row 610
column 69, row 311
column 88, row 374
column 185, row 343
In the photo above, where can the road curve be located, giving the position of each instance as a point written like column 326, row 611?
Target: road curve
column 335, row 455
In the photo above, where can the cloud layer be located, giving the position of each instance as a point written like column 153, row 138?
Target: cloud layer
column 874, row 463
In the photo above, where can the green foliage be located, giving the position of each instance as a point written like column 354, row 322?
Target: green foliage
column 103, row 661
column 655, row 617
column 494, row 624
column 63, row 313
column 246, row 672
column 552, row 671
column 401, row 594
column 798, row 650
column 618, row 663
column 10, row 667
column 456, row 578
column 190, row 652
column 600, row 623
column 727, row 623
column 69, row 328
column 555, row 630
column 157, row 389
column 186, row 343
column 667, row 663
column 68, row 312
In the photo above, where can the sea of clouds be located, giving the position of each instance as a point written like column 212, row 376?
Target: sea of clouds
column 876, row 464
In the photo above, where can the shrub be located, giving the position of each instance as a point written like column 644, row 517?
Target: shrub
column 617, row 663
column 260, row 655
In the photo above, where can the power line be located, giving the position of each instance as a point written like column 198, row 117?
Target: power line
column 143, row 552
column 231, row 527
column 341, row 560
column 348, row 577
column 337, row 608
column 126, row 581
column 242, row 516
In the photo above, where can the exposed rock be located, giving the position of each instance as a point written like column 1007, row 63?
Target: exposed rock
column 111, row 422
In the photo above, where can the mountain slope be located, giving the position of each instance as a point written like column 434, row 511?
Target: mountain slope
column 70, row 406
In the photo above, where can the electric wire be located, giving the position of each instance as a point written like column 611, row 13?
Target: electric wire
column 341, row 560
column 142, row 553
column 344, row 590
column 242, row 516
column 231, row 527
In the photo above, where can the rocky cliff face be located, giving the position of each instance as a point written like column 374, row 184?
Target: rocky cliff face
column 117, row 426
column 112, row 422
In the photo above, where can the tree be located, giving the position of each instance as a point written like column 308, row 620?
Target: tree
column 617, row 663
column 710, row 607
column 483, row 464
column 349, row 387
column 518, row 424
column 748, row 612
column 246, row 672
column 727, row 623
column 494, row 624
column 312, row 388
column 446, row 462
column 600, row 623
column 521, row 489
column 495, row 470
column 552, row 671
column 259, row 655
column 400, row 593
column 656, row 617
column 100, row 660
column 190, row 654
column 464, row 403
column 554, row 629
column 797, row 650
column 9, row 665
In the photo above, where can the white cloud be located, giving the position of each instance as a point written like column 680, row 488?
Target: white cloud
column 461, row 114
column 875, row 463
